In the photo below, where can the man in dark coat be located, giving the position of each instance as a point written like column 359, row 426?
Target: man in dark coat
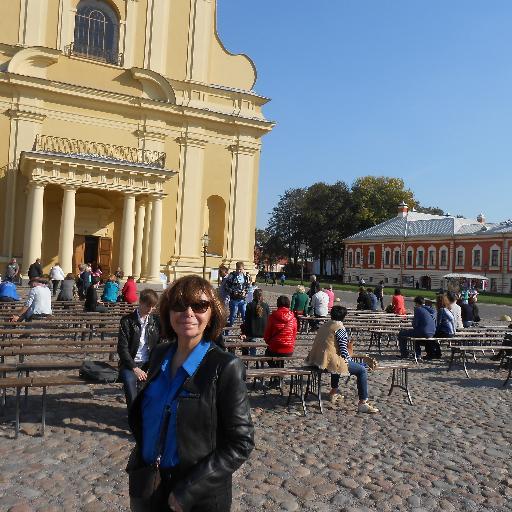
column 35, row 269
column 139, row 332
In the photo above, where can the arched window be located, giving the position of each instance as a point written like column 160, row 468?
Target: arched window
column 387, row 257
column 350, row 258
column 96, row 32
column 409, row 257
column 215, row 224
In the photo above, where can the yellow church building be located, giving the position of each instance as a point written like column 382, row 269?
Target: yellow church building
column 127, row 131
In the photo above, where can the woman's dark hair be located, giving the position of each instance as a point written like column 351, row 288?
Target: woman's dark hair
column 397, row 291
column 188, row 290
column 338, row 313
column 257, row 297
column 283, row 301
column 316, row 286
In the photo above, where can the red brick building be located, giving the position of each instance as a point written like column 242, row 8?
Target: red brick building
column 417, row 247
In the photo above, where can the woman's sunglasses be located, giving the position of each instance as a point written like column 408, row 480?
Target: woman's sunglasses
column 201, row 306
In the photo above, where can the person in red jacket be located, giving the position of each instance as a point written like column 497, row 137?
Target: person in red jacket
column 129, row 291
column 281, row 330
column 398, row 303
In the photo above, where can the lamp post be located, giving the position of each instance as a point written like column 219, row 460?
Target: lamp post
column 205, row 240
column 303, row 248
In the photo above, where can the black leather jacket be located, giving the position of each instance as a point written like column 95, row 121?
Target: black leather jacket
column 214, row 427
column 129, row 338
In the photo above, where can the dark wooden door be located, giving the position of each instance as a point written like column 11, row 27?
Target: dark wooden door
column 78, row 252
column 105, row 255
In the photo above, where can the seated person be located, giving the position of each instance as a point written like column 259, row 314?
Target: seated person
column 455, row 309
column 466, row 310
column 300, row 301
column 398, row 303
column 423, row 326
column 139, row 332
column 373, row 299
column 445, row 326
column 255, row 321
column 129, row 291
column 39, row 302
column 110, row 290
column 331, row 351
column 68, row 289
column 92, row 302
column 319, row 305
column 281, row 331
column 364, row 302
column 8, row 292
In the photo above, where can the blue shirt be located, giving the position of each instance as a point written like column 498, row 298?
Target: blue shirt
column 110, row 291
column 8, row 289
column 424, row 322
column 160, row 396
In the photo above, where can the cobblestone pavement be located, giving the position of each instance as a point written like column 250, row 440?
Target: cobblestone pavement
column 451, row 451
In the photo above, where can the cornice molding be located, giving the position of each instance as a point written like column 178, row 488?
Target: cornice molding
column 27, row 115
column 191, row 141
column 260, row 126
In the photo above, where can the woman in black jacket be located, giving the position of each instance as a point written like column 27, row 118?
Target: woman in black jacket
column 192, row 419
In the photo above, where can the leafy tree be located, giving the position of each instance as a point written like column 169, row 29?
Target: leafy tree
column 376, row 198
column 433, row 210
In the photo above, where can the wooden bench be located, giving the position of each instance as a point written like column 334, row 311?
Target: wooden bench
column 39, row 382
column 296, row 380
column 399, row 378
column 460, row 352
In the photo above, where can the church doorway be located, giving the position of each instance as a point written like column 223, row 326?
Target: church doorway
column 92, row 249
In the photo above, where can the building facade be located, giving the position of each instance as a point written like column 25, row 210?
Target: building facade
column 421, row 248
column 127, row 131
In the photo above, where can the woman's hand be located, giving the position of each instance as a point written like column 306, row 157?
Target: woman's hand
column 174, row 504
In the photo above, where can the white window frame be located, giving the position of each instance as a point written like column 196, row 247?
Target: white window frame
column 358, row 258
column 420, row 250
column 387, row 252
column 458, row 249
column 410, row 251
column 473, row 251
column 350, row 258
column 431, row 250
column 494, row 247
column 441, row 249
column 371, row 250
column 396, row 251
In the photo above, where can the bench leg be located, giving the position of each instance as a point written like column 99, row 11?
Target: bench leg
column 451, row 360
column 314, row 387
column 297, row 389
column 371, row 341
column 509, row 373
column 379, row 341
column 43, row 411
column 401, row 380
column 17, row 427
column 464, row 362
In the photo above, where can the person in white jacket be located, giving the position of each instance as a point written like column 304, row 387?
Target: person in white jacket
column 56, row 275
column 455, row 310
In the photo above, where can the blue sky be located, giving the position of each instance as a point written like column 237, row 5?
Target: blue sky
column 418, row 89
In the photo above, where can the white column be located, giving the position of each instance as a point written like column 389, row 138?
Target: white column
column 155, row 243
column 127, row 235
column 67, row 230
column 139, row 232
column 145, row 243
column 33, row 225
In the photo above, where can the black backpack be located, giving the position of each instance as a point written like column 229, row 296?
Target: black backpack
column 98, row 371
